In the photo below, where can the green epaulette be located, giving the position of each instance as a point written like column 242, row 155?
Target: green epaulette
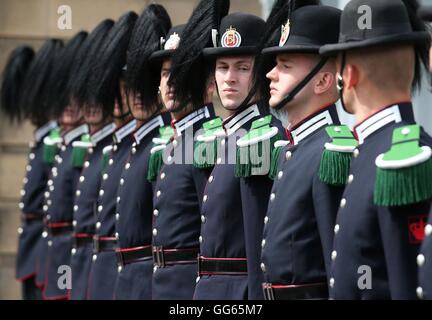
column 277, row 149
column 79, row 150
column 156, row 153
column 51, row 145
column 337, row 155
column 254, row 150
column 206, row 145
column 404, row 173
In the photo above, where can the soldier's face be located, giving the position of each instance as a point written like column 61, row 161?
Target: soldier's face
column 71, row 115
column 166, row 93
column 93, row 115
column 121, row 109
column 234, row 80
column 137, row 107
column 289, row 71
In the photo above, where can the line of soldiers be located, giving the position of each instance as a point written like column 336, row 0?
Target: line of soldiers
column 144, row 193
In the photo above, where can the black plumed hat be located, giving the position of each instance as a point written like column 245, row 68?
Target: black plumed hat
column 142, row 77
column 394, row 22
column 239, row 34
column 57, row 96
column 36, row 82
column 168, row 44
column 299, row 35
column 12, row 81
column 109, row 62
column 88, row 54
column 425, row 13
column 279, row 15
column 190, row 72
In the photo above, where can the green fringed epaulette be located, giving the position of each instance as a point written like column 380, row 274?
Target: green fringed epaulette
column 79, row 150
column 156, row 153
column 51, row 146
column 404, row 173
column 206, row 146
column 336, row 158
column 254, row 150
column 277, row 149
column 105, row 157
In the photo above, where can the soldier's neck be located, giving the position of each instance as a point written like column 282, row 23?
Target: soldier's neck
column 121, row 121
column 297, row 113
column 367, row 105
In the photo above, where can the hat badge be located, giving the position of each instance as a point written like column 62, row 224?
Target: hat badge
column 173, row 42
column 231, row 38
column 286, row 28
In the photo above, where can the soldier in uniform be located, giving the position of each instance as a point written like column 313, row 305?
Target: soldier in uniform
column 134, row 197
column 222, row 264
column 107, row 60
column 64, row 176
column 34, row 183
column 384, row 207
column 35, row 107
column 298, row 231
column 103, row 273
column 179, row 185
column 424, row 259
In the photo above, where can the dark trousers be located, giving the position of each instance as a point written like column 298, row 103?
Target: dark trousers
column 30, row 291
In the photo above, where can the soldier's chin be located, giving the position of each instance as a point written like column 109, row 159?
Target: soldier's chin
column 230, row 104
column 171, row 105
column 274, row 101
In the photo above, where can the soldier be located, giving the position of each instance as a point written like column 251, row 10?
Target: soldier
column 103, row 272
column 298, row 231
column 135, row 193
column 222, row 264
column 59, row 197
column 382, row 213
column 105, row 60
column 424, row 259
column 179, row 185
column 34, row 183
column 35, row 107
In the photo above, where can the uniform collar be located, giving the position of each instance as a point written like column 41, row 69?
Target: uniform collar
column 390, row 114
column 145, row 129
column 235, row 122
column 311, row 124
column 44, row 130
column 102, row 133
column 183, row 124
column 124, row 131
column 71, row 135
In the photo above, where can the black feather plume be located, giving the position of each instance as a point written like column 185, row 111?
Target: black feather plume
column 190, row 72
column 57, row 96
column 36, row 82
column 12, row 81
column 109, row 62
column 78, row 86
column 141, row 76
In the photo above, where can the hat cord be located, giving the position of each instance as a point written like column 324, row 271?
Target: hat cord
column 302, row 84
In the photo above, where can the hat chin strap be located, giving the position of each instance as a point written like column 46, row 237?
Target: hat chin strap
column 302, row 84
column 340, row 83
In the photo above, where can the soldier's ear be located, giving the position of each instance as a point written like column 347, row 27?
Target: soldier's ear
column 324, row 82
column 351, row 76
